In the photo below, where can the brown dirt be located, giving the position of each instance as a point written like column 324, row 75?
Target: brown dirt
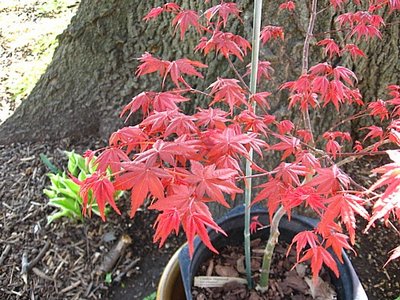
column 68, row 268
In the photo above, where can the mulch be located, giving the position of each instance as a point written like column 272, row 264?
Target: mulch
column 61, row 260
column 73, row 252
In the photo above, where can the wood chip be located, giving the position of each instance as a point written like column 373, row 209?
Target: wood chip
column 71, row 287
column 4, row 254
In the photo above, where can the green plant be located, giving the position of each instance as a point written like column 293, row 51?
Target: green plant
column 108, row 278
column 63, row 193
column 152, row 296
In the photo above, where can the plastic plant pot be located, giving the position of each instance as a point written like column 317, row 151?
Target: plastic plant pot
column 347, row 286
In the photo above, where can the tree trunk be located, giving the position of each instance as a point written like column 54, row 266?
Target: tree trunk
column 92, row 72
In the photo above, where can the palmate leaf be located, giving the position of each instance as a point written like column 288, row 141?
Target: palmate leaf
column 194, row 216
column 141, row 179
column 224, row 9
column 329, row 180
column 111, row 158
column 319, row 256
column 228, row 91
column 388, row 202
column 212, row 181
column 343, row 206
column 225, row 43
column 167, row 222
column 175, row 69
column 184, row 19
column 101, row 189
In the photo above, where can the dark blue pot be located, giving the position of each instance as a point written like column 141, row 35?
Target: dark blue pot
column 348, row 286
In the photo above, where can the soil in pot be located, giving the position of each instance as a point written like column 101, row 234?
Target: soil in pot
column 286, row 282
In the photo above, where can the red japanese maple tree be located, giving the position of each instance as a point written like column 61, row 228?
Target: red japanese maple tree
column 176, row 163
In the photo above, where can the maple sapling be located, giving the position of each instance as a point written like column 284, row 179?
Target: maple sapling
column 176, row 163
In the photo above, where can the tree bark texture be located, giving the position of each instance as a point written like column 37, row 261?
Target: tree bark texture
column 91, row 75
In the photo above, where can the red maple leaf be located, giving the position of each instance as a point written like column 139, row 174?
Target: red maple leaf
column 378, row 108
column 184, row 19
column 308, row 160
column 225, row 43
column 288, row 5
column 261, row 99
column 331, row 48
column 318, row 256
column 271, row 32
column 141, row 178
column 232, row 142
column 151, row 64
column 255, row 224
column 343, row 206
column 395, row 251
column 102, row 190
column 228, row 91
column 153, row 13
column 353, row 50
column 333, row 148
column 164, row 151
column 175, row 69
column 302, row 240
column 251, row 122
column 289, row 173
column 224, row 10
column 181, row 124
column 272, row 191
column 264, row 70
column 329, row 180
column 388, row 202
column 285, row 126
column 338, row 242
column 166, row 222
column 158, row 121
column 194, row 214
column 183, row 66
column 130, row 137
column 290, row 145
column 374, row 132
column 167, row 100
column 156, row 11
column 111, row 158
column 305, row 135
column 143, row 101
column 309, row 196
column 211, row 118
column 212, row 181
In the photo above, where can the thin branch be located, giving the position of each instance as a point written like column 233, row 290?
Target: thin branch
column 240, row 77
column 304, row 69
column 354, row 157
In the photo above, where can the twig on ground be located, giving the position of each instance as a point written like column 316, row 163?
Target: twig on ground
column 71, row 287
column 114, row 254
column 4, row 254
column 42, row 274
column 39, row 256
column 132, row 264
column 27, row 266
column 24, row 267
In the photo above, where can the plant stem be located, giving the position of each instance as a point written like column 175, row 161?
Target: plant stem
column 253, row 89
column 269, row 249
column 304, row 68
